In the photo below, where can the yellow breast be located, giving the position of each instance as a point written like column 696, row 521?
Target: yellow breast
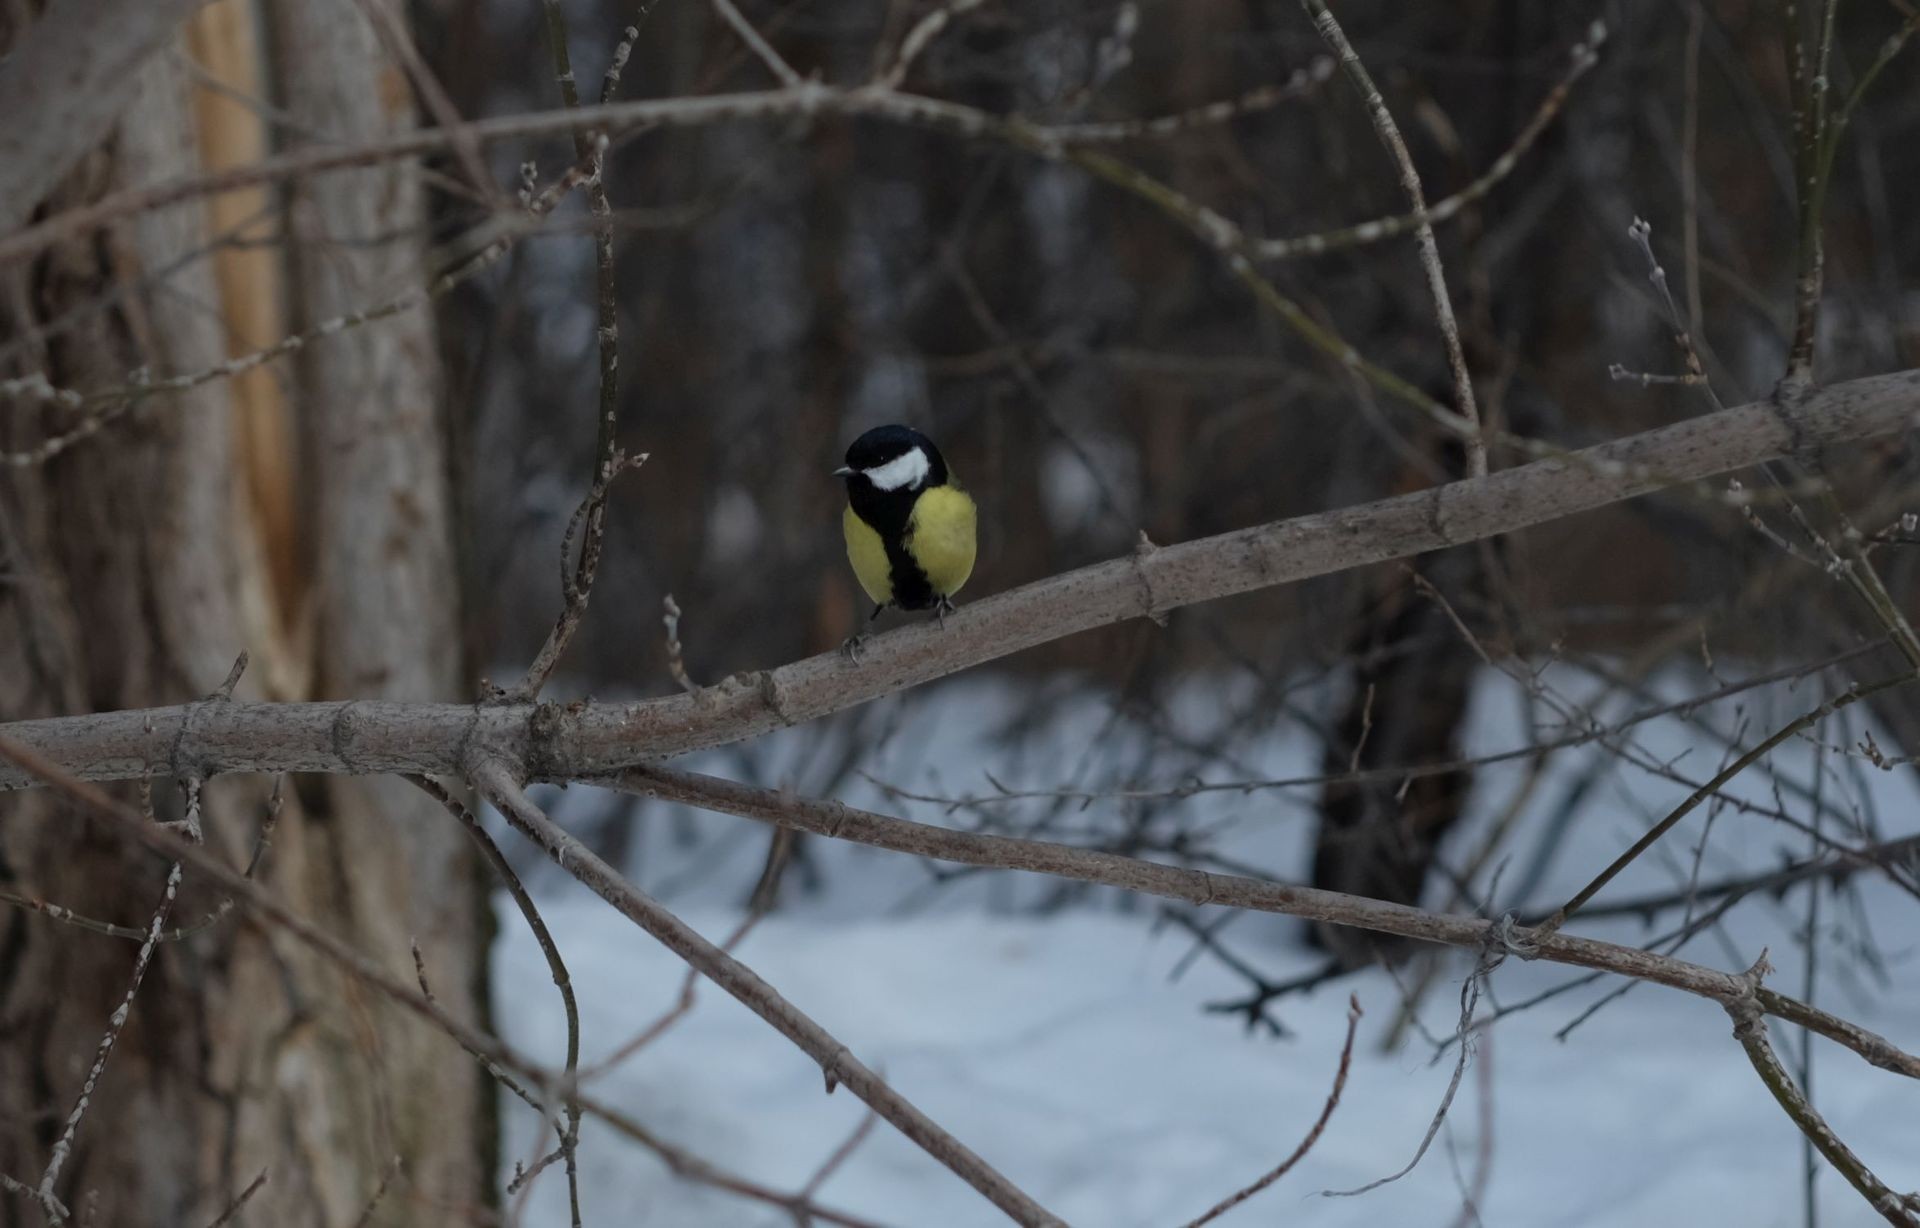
column 940, row 537
column 868, row 554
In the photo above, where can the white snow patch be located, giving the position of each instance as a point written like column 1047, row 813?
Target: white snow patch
column 1060, row 1047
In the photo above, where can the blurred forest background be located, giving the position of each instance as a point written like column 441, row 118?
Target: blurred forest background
column 1089, row 369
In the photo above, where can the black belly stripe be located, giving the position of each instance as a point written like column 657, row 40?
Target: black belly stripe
column 911, row 588
column 890, row 514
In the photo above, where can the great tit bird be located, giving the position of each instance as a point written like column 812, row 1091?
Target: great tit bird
column 909, row 526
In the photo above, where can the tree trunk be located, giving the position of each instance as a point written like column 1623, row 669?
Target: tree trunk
column 133, row 568
column 388, row 626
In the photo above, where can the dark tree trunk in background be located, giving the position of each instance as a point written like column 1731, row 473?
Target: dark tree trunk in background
column 1412, row 681
column 133, row 569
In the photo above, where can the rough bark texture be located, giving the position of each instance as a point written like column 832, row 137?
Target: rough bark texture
column 386, row 622
column 74, row 72
column 124, row 590
column 132, row 571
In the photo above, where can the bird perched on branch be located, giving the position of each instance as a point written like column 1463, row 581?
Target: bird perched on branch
column 909, row 526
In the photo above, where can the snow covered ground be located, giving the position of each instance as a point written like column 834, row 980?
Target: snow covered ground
column 1061, row 1047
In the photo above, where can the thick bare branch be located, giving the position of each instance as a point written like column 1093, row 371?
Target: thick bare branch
column 1750, row 1029
column 577, row 741
column 842, row 822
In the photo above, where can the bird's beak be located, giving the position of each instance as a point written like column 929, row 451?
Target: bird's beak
column 843, row 472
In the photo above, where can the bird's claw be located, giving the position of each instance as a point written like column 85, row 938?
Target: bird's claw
column 941, row 609
column 855, row 645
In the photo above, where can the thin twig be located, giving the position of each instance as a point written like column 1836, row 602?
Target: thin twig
column 805, row 99
column 1812, row 170
column 617, row 64
column 612, row 119
column 556, row 967
column 758, row 45
column 576, row 586
column 1584, row 56
column 234, row 1208
column 576, row 580
column 1888, row 52
column 1241, row 254
column 1830, row 867
column 682, row 1005
column 103, row 407
column 232, row 680
column 1641, row 232
column 1690, row 161
column 1492, row 953
column 55, row 1209
column 1313, row 1135
column 379, row 1192
column 63, row 1147
column 390, row 27
column 1851, row 695
column 1464, row 402
column 1302, row 83
column 1649, row 379
column 837, row 1063
column 66, row 916
column 1395, row 773
column 1851, row 567
column 1810, row 938
column 923, row 33
column 840, row 1155
column 480, row 1053
column 676, row 664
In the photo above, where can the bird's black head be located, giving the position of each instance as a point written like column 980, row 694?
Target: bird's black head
column 893, row 460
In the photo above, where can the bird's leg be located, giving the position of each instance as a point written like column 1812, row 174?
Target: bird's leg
column 857, row 642
column 941, row 609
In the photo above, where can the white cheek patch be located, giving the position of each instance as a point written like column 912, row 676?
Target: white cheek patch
column 907, row 469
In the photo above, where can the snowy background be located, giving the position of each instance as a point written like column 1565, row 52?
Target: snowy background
column 1067, row 1039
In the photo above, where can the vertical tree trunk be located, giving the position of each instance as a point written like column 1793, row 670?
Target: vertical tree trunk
column 121, row 588
column 131, row 573
column 387, row 624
